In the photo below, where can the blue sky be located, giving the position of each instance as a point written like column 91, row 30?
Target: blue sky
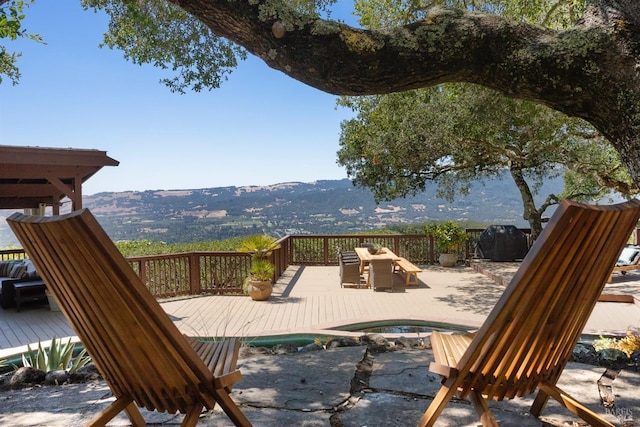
column 261, row 127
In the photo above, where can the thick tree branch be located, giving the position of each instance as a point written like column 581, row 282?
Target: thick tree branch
column 589, row 71
column 449, row 45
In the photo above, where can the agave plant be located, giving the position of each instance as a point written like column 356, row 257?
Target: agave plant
column 57, row 356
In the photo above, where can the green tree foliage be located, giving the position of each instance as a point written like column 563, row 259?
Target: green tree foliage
column 455, row 135
column 389, row 13
column 11, row 16
column 142, row 247
column 166, row 36
column 162, row 34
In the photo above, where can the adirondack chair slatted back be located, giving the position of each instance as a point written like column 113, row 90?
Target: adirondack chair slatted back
column 132, row 341
column 529, row 335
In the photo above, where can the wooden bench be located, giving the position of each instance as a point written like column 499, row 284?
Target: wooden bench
column 409, row 270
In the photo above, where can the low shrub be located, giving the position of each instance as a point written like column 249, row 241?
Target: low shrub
column 627, row 344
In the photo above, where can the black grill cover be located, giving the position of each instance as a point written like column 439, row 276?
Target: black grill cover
column 502, row 243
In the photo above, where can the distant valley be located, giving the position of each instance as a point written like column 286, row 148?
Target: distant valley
column 321, row 207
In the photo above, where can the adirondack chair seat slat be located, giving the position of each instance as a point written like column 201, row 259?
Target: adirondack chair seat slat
column 144, row 358
column 221, row 358
column 527, row 339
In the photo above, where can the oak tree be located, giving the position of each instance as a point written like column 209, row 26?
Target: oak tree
column 457, row 135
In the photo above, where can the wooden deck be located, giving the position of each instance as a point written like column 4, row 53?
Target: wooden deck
column 310, row 301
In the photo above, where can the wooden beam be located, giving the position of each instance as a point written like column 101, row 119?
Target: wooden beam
column 55, row 156
column 73, row 192
column 33, row 171
column 20, row 203
column 616, row 298
column 30, row 176
column 77, row 192
column 27, row 190
column 61, row 186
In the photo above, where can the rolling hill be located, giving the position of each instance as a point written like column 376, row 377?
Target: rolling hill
column 321, row 207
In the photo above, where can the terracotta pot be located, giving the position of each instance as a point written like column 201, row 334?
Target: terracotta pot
column 448, row 260
column 259, row 290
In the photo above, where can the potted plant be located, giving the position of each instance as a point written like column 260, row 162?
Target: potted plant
column 259, row 282
column 448, row 237
column 53, row 301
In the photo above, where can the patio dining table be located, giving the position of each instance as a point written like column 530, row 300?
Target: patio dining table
column 366, row 256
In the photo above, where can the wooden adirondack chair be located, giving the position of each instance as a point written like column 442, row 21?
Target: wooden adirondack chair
column 141, row 354
column 528, row 338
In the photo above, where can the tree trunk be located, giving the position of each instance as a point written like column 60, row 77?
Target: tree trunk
column 531, row 214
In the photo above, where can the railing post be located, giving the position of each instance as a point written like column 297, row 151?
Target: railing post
column 325, row 242
column 142, row 271
column 466, row 250
column 290, row 244
column 432, row 256
column 194, row 274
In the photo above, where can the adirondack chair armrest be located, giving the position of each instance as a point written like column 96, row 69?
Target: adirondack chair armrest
column 443, row 370
column 227, row 380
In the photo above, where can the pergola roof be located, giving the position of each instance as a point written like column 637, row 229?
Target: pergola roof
column 31, row 176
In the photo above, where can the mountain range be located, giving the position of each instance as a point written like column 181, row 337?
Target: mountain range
column 321, row 207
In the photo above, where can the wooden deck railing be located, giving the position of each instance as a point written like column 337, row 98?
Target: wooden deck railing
column 197, row 273
column 9, row 254
column 193, row 273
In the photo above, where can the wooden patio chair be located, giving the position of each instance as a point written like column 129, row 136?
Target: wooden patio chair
column 349, row 270
column 141, row 354
column 528, row 338
column 381, row 274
